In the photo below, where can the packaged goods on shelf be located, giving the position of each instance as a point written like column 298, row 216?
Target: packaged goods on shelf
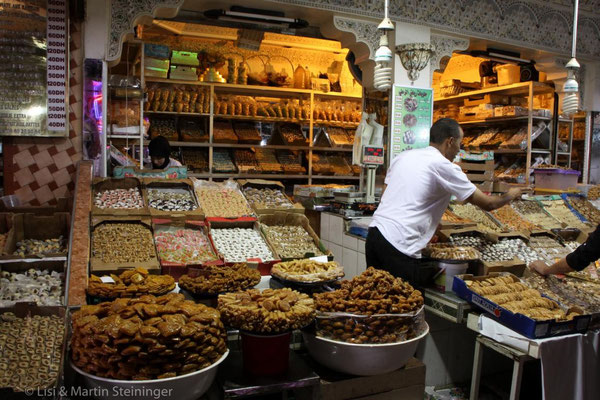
column 124, row 113
column 579, row 131
column 481, row 111
column 223, row 200
column 223, row 132
column 216, row 279
column 32, row 341
column 373, row 307
column 236, row 105
column 517, row 140
column 246, row 132
column 307, row 271
column 195, row 159
column 483, row 138
column 292, row 135
column 168, row 312
column 222, row 161
column 166, row 127
column 337, row 111
column 178, row 98
column 178, row 72
column 271, row 311
column 267, row 159
column 192, row 130
column 245, row 161
column 511, row 219
column 290, row 162
column 132, row 283
column 559, row 210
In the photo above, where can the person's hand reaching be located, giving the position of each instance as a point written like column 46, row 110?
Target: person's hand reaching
column 540, row 267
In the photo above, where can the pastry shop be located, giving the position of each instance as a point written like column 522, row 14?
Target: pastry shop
column 214, row 200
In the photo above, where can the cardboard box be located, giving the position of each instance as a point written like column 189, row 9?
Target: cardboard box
column 167, row 173
column 62, row 205
column 21, row 267
column 177, row 269
column 490, row 98
column 172, row 184
column 99, row 267
column 263, row 266
column 261, row 209
column 291, row 219
column 515, row 266
column 103, row 184
column 42, row 227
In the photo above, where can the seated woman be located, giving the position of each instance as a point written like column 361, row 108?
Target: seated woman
column 160, row 153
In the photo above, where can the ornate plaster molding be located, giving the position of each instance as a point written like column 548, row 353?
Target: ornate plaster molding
column 445, row 46
column 364, row 32
column 125, row 14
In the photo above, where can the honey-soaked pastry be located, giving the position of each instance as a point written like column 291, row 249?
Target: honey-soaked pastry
column 146, row 338
column 215, row 279
column 270, row 311
column 446, row 251
column 123, row 243
column 307, row 271
column 131, row 283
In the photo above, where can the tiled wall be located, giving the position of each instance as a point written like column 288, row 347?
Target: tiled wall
column 41, row 170
column 348, row 250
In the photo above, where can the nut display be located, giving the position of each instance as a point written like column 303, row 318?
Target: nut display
column 340, row 137
column 247, row 133
column 290, row 162
column 267, row 159
column 511, row 219
column 267, row 198
column 215, row 279
column 171, row 200
column 585, row 208
column 270, row 311
column 533, row 212
column 38, row 246
column 475, row 214
column 120, row 199
column 513, row 295
column 245, row 161
column 292, row 135
column 372, row 298
column 561, row 212
column 223, row 133
column 122, row 243
column 146, row 338
column 196, row 160
column 569, row 291
column 291, row 241
column 31, row 351
column 166, row 127
column 43, row 287
column 183, row 245
column 131, row 283
column 223, row 202
column 448, row 251
column 222, row 162
column 307, row 271
column 240, row 244
column 192, row 130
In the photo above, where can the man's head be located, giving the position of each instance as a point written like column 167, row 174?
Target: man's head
column 159, row 150
column 446, row 136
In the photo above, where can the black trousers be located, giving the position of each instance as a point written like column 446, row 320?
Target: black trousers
column 381, row 254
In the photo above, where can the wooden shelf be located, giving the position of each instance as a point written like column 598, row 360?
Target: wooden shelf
column 338, row 95
column 217, row 175
column 130, row 137
column 177, row 113
column 336, row 177
column 257, row 145
column 259, row 118
column 541, row 151
column 175, row 81
column 514, row 89
column 502, row 119
column 337, row 124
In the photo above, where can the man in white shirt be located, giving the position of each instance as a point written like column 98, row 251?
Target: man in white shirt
column 418, row 188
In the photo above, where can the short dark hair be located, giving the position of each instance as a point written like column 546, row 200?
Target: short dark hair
column 159, row 147
column 443, row 129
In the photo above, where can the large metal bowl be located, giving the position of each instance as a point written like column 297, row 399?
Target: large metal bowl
column 362, row 359
column 185, row 387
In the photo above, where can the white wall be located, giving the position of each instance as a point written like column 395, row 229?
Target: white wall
column 95, row 28
column 409, row 33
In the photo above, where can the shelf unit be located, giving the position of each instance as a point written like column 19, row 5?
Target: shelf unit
column 304, row 96
column 562, row 157
column 521, row 89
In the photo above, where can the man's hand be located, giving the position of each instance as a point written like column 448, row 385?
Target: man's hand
column 540, row 267
column 515, row 192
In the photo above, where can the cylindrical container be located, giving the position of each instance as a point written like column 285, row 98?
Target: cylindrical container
column 266, row 355
column 446, row 277
column 508, row 74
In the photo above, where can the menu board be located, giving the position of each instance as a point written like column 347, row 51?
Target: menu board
column 412, row 113
column 33, row 67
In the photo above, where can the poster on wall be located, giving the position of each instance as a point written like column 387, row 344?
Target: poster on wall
column 412, row 113
column 33, row 68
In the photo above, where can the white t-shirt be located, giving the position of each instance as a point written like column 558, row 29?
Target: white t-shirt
column 420, row 184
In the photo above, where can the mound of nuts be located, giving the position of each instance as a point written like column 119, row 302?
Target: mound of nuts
column 43, row 287
column 119, row 199
column 225, row 203
column 146, row 338
column 372, row 298
column 215, row 279
column 183, row 246
column 39, row 246
column 291, row 241
column 267, row 198
column 240, row 244
column 272, row 311
column 164, row 200
column 31, row 351
column 122, row 243
column 131, row 283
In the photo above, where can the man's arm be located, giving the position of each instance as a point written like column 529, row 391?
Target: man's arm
column 559, row 267
column 489, row 203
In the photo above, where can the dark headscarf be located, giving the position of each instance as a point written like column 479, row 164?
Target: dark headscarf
column 159, row 147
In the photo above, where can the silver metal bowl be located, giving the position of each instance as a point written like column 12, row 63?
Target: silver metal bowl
column 362, row 359
column 185, row 387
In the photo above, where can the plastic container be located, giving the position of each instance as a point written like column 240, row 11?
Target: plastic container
column 508, row 74
column 266, row 355
column 446, row 278
column 556, row 179
column 11, row 201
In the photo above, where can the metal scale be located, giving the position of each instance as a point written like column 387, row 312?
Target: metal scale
column 372, row 157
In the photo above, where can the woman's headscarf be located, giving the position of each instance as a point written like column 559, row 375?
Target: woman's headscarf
column 159, row 147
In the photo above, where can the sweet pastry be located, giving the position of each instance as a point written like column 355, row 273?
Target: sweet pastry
column 307, row 271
